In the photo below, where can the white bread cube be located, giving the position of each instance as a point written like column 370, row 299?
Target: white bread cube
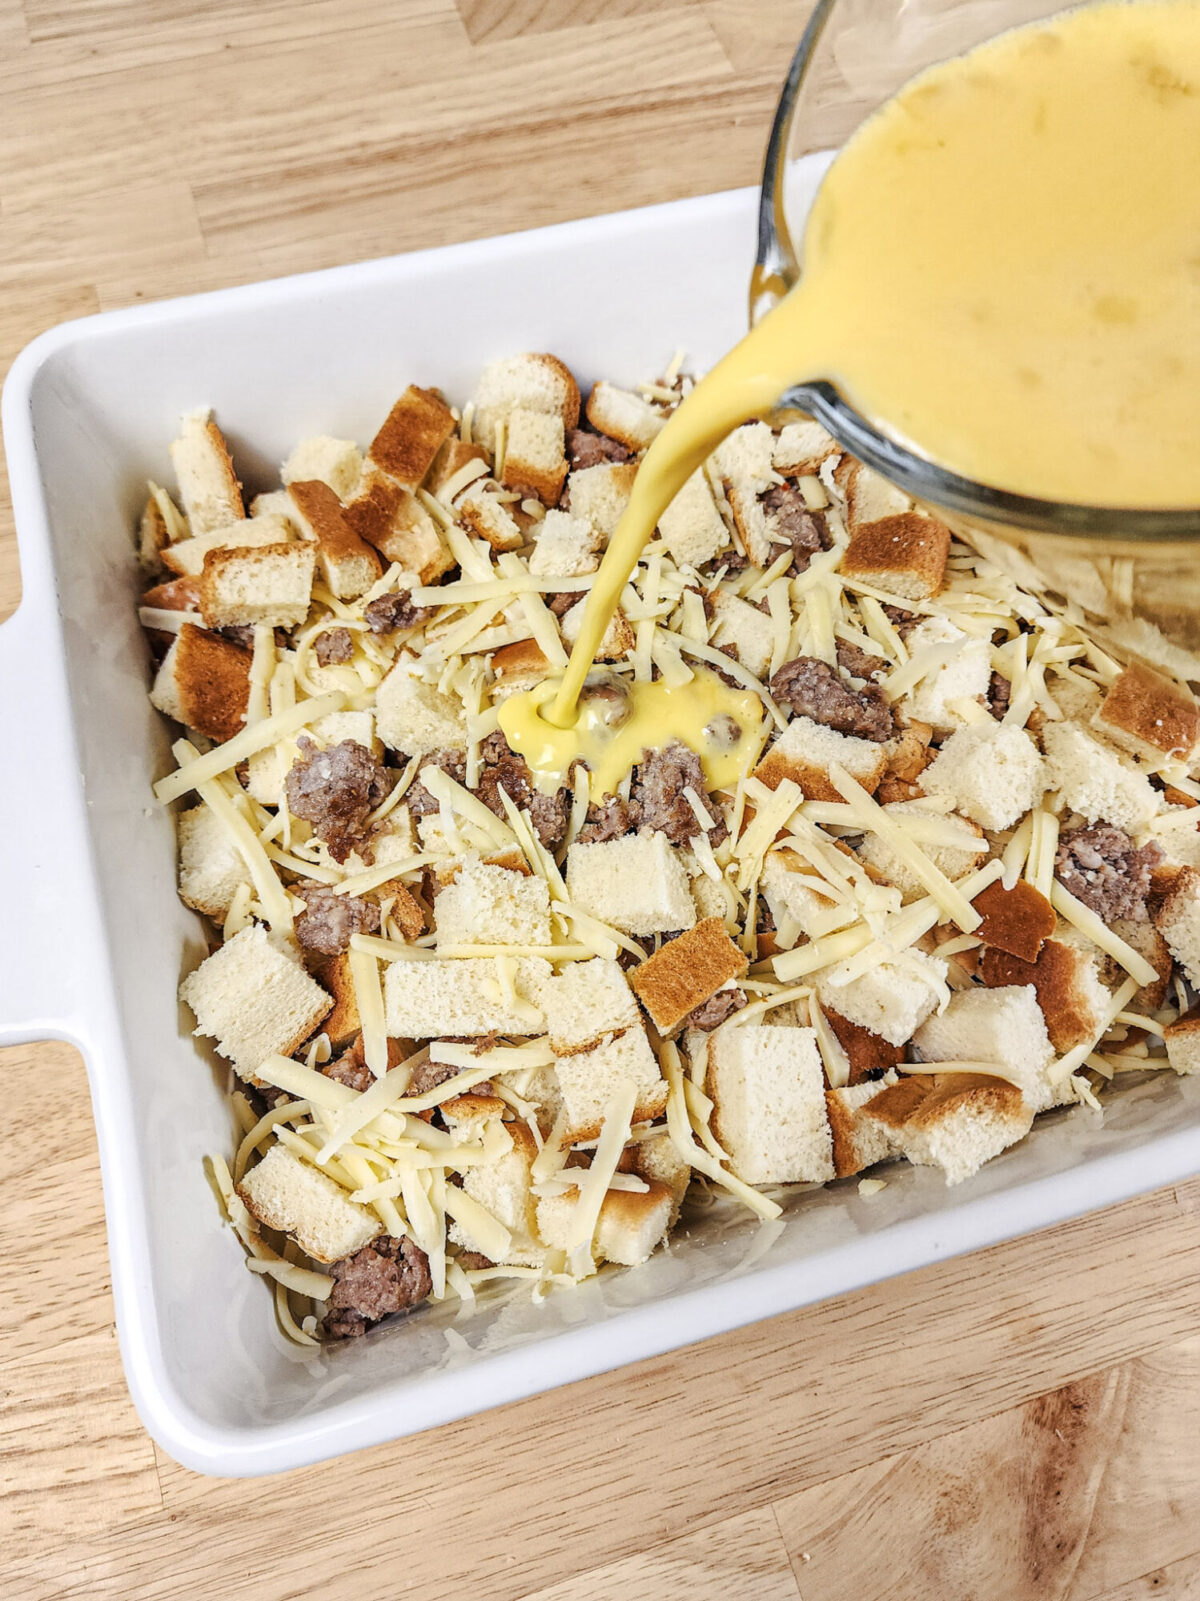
column 448, row 996
column 336, row 462
column 518, row 667
column 491, row 906
column 1178, row 920
column 272, row 585
column 790, row 901
column 955, row 860
column 658, row 1161
column 600, row 494
column 1178, row 835
column 869, row 496
column 349, row 565
column 186, row 557
column 859, row 1141
column 630, row 1227
column 1150, row 716
column 333, row 728
column 566, row 546
column 748, row 630
column 535, row 461
column 692, row 528
column 415, row 717
column 402, row 531
column 211, row 868
column 955, row 1121
column 284, row 1193
column 994, row 775
column 208, row 485
column 486, row 517
column 1076, row 698
column 1067, row 978
column 254, row 1001
column 801, row 447
column 589, row 1079
column 413, row 432
column 638, row 884
column 533, row 382
column 504, row 1189
column 767, row 1086
column 1004, row 1026
column 618, row 638
column 806, row 751
column 584, row 1001
column 966, row 676
column 623, row 415
column 1183, row 1042
column 743, row 461
column 1096, row 781
column 904, row 554
column 892, row 998
column 203, row 682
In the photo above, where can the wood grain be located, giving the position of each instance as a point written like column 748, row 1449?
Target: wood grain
column 1022, row 1423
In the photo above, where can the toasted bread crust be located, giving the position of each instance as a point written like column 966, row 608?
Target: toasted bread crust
column 415, row 429
column 1054, row 975
column 571, row 398
column 176, row 594
column 868, row 1054
column 841, row 1127
column 813, row 781
column 523, row 659
column 908, row 549
column 392, row 519
column 326, row 516
column 923, row 1100
column 452, row 458
column 1150, row 715
column 1018, row 920
column 685, row 972
column 343, row 1023
column 212, row 676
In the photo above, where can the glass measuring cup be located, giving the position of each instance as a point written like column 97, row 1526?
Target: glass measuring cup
column 1133, row 572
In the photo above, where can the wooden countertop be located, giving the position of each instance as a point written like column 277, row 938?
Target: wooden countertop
column 1024, row 1423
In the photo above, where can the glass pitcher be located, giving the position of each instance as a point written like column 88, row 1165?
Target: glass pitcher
column 1135, row 574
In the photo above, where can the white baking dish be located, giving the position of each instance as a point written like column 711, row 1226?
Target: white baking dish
column 101, row 940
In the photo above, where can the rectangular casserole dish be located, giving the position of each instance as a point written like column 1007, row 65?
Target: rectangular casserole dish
column 97, row 954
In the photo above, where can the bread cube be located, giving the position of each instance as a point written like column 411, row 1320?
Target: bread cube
column 868, row 1054
column 211, row 868
column 955, row 1121
column 1018, row 920
column 491, row 906
column 892, row 998
column 801, row 447
column 1183, row 1042
column 584, row 1001
column 743, row 462
column 348, row 563
column 966, row 675
column 788, row 898
column 296, row 1198
column 254, row 1001
column 208, row 485
column 806, row 750
column 869, row 496
column 486, row 517
column 1150, row 716
column 1096, row 780
column 750, row 631
column 589, row 1079
column 1066, row 979
column 623, row 415
column 767, row 1086
column 1178, row 920
column 533, row 382
column 692, row 528
column 415, row 717
column 1003, row 1025
column 637, row 884
column 413, row 432
column 186, row 556
column 658, row 1161
column 686, row 972
column 504, row 1189
column 342, row 1025
column 336, row 462
column 859, row 1141
column 566, row 546
column 905, row 554
column 994, row 775
column 600, row 494
column 535, row 461
column 447, row 996
column 271, row 585
column 393, row 520
column 955, row 860
column 204, row 683
column 630, row 1227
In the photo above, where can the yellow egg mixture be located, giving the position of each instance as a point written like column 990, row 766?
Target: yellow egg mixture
column 1001, row 270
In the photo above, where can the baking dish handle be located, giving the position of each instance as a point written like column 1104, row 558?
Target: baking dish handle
column 46, row 933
